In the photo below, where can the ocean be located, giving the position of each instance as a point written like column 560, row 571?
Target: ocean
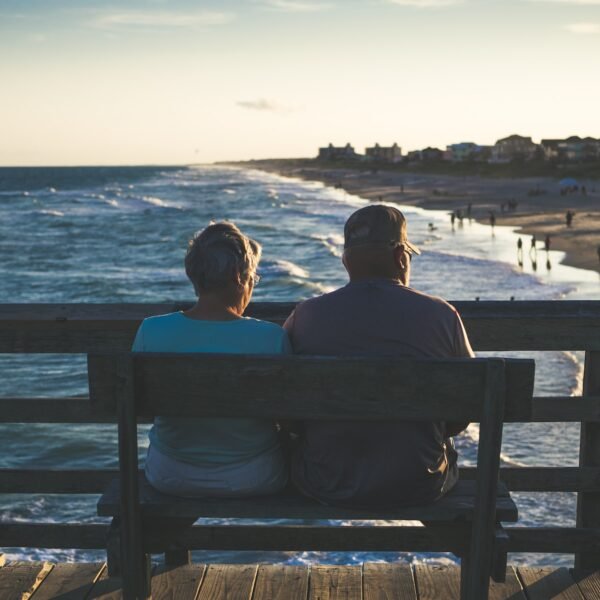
column 119, row 234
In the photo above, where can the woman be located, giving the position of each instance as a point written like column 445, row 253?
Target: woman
column 215, row 457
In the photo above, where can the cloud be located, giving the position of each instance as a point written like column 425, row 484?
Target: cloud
column 171, row 19
column 426, row 3
column 263, row 105
column 295, row 6
column 583, row 28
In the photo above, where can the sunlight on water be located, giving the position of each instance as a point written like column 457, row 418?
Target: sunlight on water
column 119, row 235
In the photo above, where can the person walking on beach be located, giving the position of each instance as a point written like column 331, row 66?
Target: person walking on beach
column 520, row 252
column 569, row 218
column 547, row 243
column 452, row 218
column 492, row 219
column 533, row 253
column 380, row 463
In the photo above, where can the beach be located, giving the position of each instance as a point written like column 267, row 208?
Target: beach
column 540, row 207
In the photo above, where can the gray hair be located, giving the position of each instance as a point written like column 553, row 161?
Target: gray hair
column 217, row 254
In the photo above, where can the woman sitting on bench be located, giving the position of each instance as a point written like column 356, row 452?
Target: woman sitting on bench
column 215, row 457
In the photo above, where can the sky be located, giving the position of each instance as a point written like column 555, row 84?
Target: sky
column 194, row 81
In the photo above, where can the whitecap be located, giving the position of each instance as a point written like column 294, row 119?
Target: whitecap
column 52, row 213
column 230, row 192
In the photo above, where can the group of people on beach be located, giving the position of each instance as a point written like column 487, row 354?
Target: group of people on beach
column 336, row 462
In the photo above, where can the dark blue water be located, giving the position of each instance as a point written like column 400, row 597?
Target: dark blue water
column 120, row 234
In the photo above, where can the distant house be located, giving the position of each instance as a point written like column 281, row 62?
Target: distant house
column 332, row 152
column 551, row 149
column 466, row 151
column 576, row 149
column 428, row 154
column 514, row 147
column 390, row 154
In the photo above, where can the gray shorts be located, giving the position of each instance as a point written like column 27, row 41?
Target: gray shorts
column 264, row 474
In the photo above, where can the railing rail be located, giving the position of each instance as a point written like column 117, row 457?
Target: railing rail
column 492, row 326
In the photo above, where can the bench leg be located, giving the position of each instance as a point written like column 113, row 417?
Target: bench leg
column 474, row 578
column 113, row 549
column 177, row 557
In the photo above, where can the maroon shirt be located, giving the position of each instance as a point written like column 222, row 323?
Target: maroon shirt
column 383, row 463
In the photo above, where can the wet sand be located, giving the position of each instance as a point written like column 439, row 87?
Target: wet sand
column 540, row 207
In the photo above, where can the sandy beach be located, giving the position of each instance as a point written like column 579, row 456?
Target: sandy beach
column 540, row 207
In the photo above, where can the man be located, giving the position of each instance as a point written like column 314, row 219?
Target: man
column 383, row 463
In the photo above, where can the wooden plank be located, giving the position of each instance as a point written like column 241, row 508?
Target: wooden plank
column 542, row 583
column 589, row 584
column 458, row 503
column 388, row 581
column 69, row 581
column 435, row 582
column 496, row 325
column 568, row 409
column 588, row 503
column 53, row 535
column 281, row 582
column 177, row 583
column 19, row 580
column 328, row 582
column 52, row 410
column 296, row 386
column 95, row 481
column 228, row 582
column 106, row 588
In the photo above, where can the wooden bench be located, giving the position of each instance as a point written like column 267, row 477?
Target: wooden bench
column 466, row 521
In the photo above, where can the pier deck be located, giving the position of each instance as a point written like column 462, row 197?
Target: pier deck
column 371, row 581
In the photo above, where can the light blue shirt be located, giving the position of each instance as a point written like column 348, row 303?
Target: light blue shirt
column 211, row 442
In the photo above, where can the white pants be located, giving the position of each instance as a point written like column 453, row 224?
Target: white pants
column 264, row 474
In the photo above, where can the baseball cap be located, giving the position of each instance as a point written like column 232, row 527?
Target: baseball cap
column 377, row 224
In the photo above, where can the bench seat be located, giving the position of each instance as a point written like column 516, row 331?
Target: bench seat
column 459, row 504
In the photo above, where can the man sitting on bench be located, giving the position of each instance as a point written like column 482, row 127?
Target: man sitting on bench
column 377, row 464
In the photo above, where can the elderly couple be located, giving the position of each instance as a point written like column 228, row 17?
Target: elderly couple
column 342, row 463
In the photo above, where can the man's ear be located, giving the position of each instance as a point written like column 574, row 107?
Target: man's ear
column 400, row 257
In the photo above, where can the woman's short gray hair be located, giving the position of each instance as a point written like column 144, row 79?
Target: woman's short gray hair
column 217, row 254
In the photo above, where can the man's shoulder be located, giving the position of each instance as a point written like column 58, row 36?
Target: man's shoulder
column 398, row 293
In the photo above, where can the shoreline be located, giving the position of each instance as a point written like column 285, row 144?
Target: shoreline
column 540, row 207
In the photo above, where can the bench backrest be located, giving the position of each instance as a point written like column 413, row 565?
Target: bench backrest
column 309, row 387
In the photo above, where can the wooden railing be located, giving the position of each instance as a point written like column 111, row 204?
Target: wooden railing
column 492, row 326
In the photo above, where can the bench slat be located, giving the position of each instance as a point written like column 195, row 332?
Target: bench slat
column 293, row 387
column 458, row 504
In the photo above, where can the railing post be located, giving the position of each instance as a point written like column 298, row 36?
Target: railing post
column 588, row 503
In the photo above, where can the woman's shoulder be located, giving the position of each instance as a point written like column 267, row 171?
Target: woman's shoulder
column 263, row 326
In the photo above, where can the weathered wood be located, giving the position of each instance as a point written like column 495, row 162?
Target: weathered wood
column 52, row 535
column 281, row 582
column 437, row 582
column 541, row 583
column 83, row 328
column 106, row 588
column 69, row 581
column 588, row 583
column 329, row 582
column 457, row 504
column 136, row 563
column 19, row 580
column 564, row 540
column 95, row 481
column 228, row 582
column 293, row 387
column 573, row 409
column 385, row 581
column 475, row 582
column 588, row 503
column 178, row 583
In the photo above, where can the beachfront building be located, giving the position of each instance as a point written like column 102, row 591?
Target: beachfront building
column 428, row 154
column 465, row 151
column 514, row 147
column 389, row 154
column 332, row 152
column 571, row 149
column 576, row 149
